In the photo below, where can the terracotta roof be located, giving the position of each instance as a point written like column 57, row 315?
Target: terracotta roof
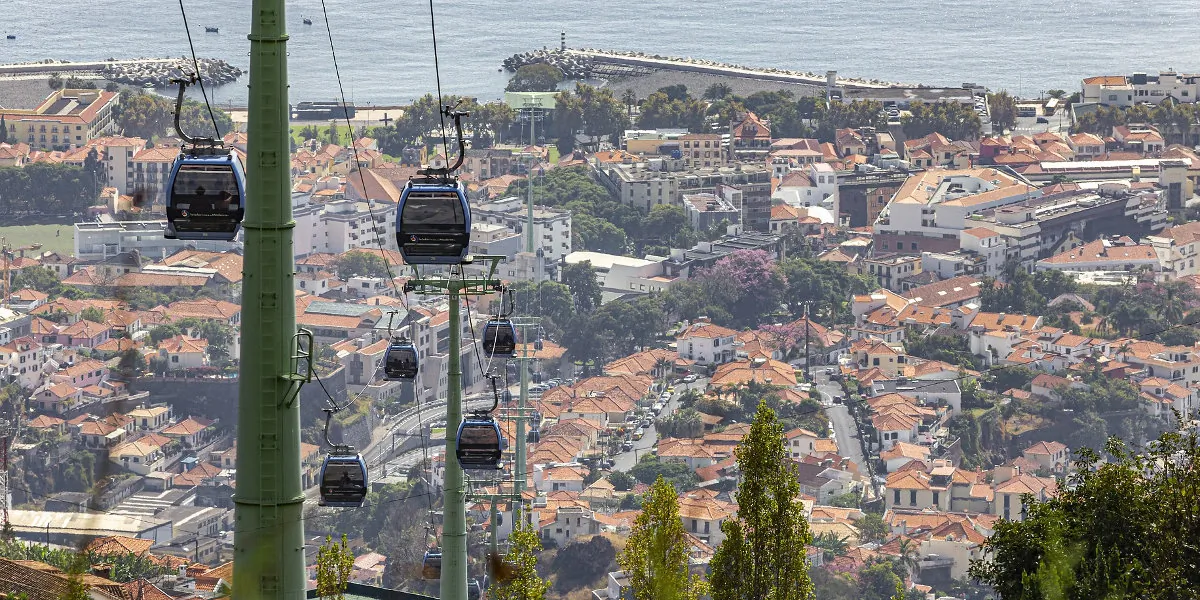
column 1045, row 448
column 119, row 544
column 183, row 344
column 1099, row 251
column 955, row 290
column 706, row 331
column 906, row 450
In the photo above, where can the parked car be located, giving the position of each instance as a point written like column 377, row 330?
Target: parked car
column 1043, row 120
column 690, row 378
column 639, row 433
column 627, row 446
column 657, row 408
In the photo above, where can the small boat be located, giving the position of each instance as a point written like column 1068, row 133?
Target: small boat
column 307, row 21
column 212, row 30
column 11, row 36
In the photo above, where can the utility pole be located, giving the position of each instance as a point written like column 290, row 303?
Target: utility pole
column 269, row 530
column 454, row 524
column 7, row 430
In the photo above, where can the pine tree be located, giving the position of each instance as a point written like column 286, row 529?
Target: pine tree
column 3, row 130
column 656, row 555
column 763, row 556
column 522, row 581
column 334, row 565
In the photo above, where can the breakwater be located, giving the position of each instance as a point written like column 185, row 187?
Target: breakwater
column 156, row 72
column 587, row 63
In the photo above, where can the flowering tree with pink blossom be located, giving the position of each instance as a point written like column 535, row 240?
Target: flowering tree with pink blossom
column 756, row 281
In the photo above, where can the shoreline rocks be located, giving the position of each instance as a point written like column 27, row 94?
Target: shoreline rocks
column 160, row 72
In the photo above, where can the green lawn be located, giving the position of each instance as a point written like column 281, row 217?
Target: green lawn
column 553, row 154
column 344, row 133
column 52, row 237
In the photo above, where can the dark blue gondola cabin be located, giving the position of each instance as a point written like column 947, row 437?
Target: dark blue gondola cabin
column 205, row 196
column 433, row 222
column 499, row 338
column 343, row 481
column 401, row 361
column 479, row 444
column 431, row 565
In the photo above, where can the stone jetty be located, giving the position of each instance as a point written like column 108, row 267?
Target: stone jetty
column 156, row 72
column 587, row 63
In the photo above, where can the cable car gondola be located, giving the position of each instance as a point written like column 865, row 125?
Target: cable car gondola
column 401, row 361
column 479, row 443
column 433, row 222
column 499, row 338
column 433, row 219
column 343, row 480
column 431, row 565
column 207, row 188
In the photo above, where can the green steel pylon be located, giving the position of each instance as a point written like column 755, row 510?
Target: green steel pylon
column 269, row 532
column 454, row 521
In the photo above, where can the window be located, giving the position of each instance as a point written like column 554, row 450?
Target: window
column 912, row 497
column 935, row 498
column 896, row 496
column 1006, row 497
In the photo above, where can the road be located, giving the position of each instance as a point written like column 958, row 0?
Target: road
column 844, row 429
column 624, row 461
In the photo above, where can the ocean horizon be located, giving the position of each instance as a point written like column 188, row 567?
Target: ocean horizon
column 385, row 53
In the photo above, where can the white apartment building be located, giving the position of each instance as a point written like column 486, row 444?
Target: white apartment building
column 707, row 344
column 551, row 227
column 1122, row 90
column 813, row 185
column 100, row 240
column 930, row 210
column 344, row 225
column 625, row 273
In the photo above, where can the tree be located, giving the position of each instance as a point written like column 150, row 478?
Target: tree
column 871, row 528
column 878, row 581
column 42, row 279
column 1122, row 529
column 650, row 469
column 3, row 130
column 621, row 481
column 762, row 556
column 757, row 282
column 831, row 545
column 952, row 119
column 523, row 583
column 92, row 314
column 717, row 91
column 149, row 116
column 581, row 563
column 1003, row 109
column 536, row 77
column 362, row 264
column 656, row 555
column 580, row 278
column 659, row 110
column 334, row 564
column 162, row 332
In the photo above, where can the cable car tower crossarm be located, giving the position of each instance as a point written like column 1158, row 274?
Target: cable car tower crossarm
column 269, row 530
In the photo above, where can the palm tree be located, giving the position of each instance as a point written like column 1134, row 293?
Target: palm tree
column 909, row 555
column 630, row 99
column 831, row 545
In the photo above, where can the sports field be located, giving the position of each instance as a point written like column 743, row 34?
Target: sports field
column 52, row 237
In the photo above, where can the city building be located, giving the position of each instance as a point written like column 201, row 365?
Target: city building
column 705, row 211
column 1127, row 90
column 932, row 207
column 97, row 241
column 64, row 120
column 620, row 275
column 551, row 226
